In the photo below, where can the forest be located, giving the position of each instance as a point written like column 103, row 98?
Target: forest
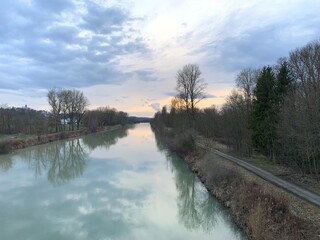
column 273, row 110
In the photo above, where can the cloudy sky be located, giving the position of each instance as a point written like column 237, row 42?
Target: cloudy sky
column 125, row 54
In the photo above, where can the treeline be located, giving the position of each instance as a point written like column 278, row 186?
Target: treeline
column 68, row 112
column 104, row 116
column 22, row 120
column 274, row 110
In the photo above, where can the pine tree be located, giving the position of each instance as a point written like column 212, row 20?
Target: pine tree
column 283, row 82
column 264, row 116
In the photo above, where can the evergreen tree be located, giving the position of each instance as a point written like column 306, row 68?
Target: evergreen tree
column 284, row 82
column 264, row 117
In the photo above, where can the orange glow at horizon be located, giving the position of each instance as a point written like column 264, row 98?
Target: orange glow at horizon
column 136, row 108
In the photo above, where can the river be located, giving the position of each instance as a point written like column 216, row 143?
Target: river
column 125, row 184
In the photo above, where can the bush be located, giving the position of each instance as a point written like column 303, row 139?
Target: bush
column 185, row 142
column 5, row 147
column 63, row 135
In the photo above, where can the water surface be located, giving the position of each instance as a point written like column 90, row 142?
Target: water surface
column 121, row 185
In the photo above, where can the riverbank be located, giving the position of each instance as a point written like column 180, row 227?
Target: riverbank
column 10, row 144
column 261, row 209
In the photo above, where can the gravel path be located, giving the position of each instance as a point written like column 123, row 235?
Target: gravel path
column 296, row 190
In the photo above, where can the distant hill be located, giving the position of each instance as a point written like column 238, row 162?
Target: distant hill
column 133, row 119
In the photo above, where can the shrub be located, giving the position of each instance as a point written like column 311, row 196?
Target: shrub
column 63, row 135
column 5, row 147
column 185, row 143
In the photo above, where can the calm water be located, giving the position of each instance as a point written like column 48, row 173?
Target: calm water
column 120, row 185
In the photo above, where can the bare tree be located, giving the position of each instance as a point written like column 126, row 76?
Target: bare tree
column 81, row 102
column 76, row 106
column 234, row 123
column 301, row 115
column 305, row 66
column 207, row 122
column 190, row 87
column 104, row 116
column 246, row 82
column 66, row 101
column 55, row 101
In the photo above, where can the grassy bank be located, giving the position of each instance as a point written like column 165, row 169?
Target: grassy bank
column 261, row 209
column 10, row 144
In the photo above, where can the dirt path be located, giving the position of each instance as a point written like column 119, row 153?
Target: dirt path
column 296, row 190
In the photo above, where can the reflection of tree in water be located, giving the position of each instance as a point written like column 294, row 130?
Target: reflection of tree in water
column 104, row 139
column 197, row 208
column 6, row 162
column 68, row 162
column 62, row 160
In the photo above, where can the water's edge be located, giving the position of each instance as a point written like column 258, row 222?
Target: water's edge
column 10, row 145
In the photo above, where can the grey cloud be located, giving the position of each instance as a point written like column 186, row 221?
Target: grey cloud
column 155, row 106
column 64, row 34
column 104, row 20
column 210, row 96
column 91, row 74
column 237, row 46
column 171, row 94
column 258, row 48
column 55, row 6
column 40, row 48
column 144, row 75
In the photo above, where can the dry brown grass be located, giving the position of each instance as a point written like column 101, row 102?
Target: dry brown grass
column 263, row 210
column 7, row 146
column 290, row 174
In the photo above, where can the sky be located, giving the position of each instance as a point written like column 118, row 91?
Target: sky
column 125, row 54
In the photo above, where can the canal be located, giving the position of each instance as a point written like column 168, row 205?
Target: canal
column 125, row 184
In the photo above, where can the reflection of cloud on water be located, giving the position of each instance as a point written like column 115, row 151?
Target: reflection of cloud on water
column 117, row 197
column 141, row 131
column 61, row 160
column 76, row 197
column 90, row 210
column 86, row 209
column 72, row 228
column 146, row 179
